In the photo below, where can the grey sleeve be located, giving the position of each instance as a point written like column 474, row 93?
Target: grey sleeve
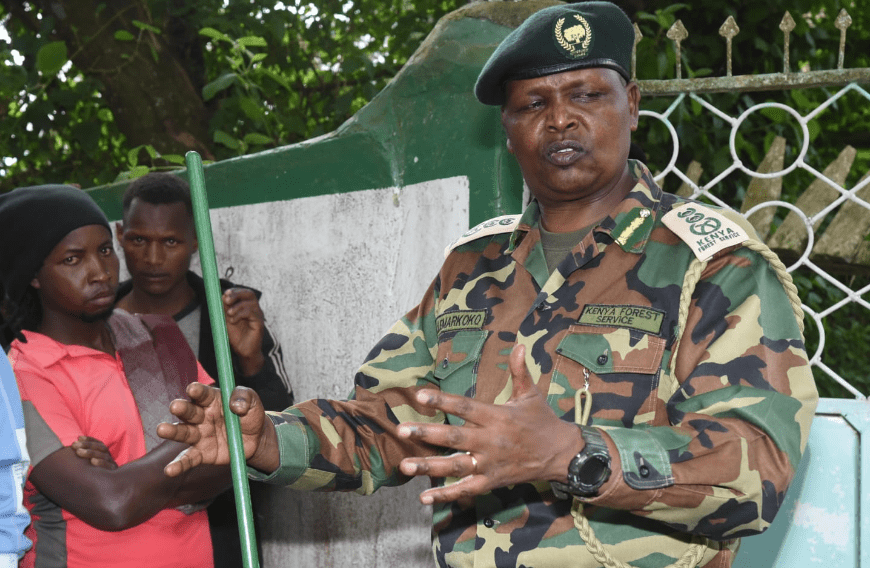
column 41, row 440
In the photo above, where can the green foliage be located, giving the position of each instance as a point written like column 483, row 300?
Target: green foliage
column 845, row 333
column 269, row 74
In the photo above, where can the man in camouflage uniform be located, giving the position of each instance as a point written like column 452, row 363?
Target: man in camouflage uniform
column 671, row 322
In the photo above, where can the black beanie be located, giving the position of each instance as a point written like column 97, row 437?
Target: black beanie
column 32, row 221
column 558, row 39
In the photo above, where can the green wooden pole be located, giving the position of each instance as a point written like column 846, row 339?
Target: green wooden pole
column 222, row 351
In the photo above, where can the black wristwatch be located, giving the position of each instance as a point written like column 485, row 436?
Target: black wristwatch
column 589, row 469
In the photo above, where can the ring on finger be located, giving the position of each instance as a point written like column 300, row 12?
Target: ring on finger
column 473, row 462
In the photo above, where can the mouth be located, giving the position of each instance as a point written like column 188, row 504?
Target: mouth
column 564, row 153
column 104, row 298
column 151, row 277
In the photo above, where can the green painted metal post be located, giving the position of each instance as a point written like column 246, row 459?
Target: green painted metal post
column 222, row 351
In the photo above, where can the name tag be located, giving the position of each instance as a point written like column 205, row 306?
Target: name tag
column 460, row 320
column 632, row 317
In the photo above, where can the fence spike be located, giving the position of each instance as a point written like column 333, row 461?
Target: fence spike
column 786, row 25
column 637, row 37
column 844, row 20
column 678, row 33
column 728, row 30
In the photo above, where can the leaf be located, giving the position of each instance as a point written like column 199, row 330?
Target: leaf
column 251, row 108
column 174, row 158
column 51, row 58
column 259, row 57
column 215, row 34
column 775, row 114
column 133, row 156
column 280, row 79
column 252, row 41
column 124, row 35
column 256, row 138
column 222, row 137
column 218, row 85
column 147, row 27
column 138, row 171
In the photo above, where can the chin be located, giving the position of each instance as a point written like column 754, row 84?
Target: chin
column 98, row 316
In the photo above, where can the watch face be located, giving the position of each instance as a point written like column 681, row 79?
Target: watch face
column 594, row 471
column 589, row 469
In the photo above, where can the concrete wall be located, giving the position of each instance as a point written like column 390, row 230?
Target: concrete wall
column 336, row 271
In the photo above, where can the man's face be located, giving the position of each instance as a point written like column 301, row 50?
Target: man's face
column 158, row 242
column 571, row 132
column 80, row 276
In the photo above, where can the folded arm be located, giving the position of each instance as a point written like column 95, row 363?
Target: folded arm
column 117, row 499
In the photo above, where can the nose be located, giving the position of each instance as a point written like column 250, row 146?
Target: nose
column 101, row 269
column 560, row 117
column 153, row 254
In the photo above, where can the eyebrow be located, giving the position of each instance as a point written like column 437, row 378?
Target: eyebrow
column 77, row 249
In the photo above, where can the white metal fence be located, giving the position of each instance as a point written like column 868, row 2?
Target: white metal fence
column 839, row 210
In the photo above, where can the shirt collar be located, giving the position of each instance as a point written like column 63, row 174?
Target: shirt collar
column 44, row 351
column 630, row 223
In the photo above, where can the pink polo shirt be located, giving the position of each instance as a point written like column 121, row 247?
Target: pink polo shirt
column 77, row 391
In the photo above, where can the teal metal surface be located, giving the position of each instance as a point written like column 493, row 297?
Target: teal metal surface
column 820, row 522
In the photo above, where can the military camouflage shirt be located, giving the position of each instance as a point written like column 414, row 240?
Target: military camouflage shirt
column 707, row 450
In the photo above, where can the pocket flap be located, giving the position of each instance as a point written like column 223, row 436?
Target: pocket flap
column 613, row 350
column 455, row 353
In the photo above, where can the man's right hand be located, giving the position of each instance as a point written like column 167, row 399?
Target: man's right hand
column 202, row 427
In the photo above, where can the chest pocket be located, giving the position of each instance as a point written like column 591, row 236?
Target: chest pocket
column 457, row 362
column 623, row 368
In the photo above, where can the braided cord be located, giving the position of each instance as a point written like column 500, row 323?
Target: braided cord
column 693, row 555
column 783, row 276
column 690, row 280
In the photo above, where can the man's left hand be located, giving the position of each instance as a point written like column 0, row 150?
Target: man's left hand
column 520, row 441
column 95, row 451
column 245, row 327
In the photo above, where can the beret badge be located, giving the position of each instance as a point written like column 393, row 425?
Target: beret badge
column 574, row 37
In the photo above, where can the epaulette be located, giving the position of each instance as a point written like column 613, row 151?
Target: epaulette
column 707, row 231
column 503, row 224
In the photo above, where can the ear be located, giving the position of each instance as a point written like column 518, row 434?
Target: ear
column 510, row 148
column 632, row 91
column 119, row 231
column 35, row 283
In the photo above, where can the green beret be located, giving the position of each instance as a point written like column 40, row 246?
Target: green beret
column 555, row 40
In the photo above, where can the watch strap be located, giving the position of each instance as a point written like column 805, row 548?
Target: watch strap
column 595, row 448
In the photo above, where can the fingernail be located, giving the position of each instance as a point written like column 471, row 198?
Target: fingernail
column 406, row 431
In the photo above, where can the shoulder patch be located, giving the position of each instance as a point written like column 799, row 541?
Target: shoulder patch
column 705, row 230
column 494, row 226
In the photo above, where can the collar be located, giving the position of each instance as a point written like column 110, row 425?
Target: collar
column 44, row 351
column 629, row 224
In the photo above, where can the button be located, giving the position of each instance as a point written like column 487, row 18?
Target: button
column 445, row 363
column 488, row 523
column 543, row 306
column 602, row 359
column 644, row 213
column 644, row 471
